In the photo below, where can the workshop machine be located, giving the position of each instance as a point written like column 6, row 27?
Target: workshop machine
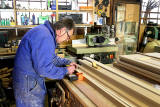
column 97, row 48
column 151, row 31
column 97, row 40
column 101, row 42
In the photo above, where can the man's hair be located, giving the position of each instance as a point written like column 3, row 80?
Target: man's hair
column 66, row 22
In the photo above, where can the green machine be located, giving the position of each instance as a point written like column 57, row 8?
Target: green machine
column 98, row 49
column 97, row 40
column 151, row 31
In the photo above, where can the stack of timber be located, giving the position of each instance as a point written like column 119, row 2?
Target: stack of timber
column 7, row 51
column 146, row 65
column 5, row 76
column 106, row 86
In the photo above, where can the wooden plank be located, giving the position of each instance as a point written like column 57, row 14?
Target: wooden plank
column 145, row 62
column 7, row 53
column 138, row 70
column 145, row 93
column 124, row 75
column 3, row 69
column 88, row 50
column 5, row 75
column 154, row 55
column 9, row 70
column 78, row 94
column 141, row 33
column 113, row 98
column 124, row 92
column 3, row 50
column 91, row 92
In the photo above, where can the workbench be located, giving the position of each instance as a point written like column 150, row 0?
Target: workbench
column 7, row 57
column 105, row 87
column 105, row 54
column 91, row 50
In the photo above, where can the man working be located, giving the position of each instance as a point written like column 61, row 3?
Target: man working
column 36, row 59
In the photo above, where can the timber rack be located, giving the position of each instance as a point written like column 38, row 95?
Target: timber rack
column 107, row 86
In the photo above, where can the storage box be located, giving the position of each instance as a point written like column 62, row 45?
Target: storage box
column 42, row 19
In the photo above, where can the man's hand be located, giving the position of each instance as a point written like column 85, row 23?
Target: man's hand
column 71, row 69
column 73, row 64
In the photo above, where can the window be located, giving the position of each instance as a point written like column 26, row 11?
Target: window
column 152, row 15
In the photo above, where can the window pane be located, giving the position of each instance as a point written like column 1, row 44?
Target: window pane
column 153, row 15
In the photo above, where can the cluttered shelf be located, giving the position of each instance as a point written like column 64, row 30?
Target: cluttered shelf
column 6, row 10
column 17, row 26
column 7, row 51
column 38, row 10
column 22, row 14
column 88, row 10
column 84, row 25
column 35, row 10
column 31, row 26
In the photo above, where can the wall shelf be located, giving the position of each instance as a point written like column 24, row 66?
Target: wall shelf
column 6, row 10
column 35, row 10
column 17, row 27
column 31, row 26
column 18, row 12
column 75, row 10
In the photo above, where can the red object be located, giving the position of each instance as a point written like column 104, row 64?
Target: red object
column 80, row 76
column 53, row 15
column 111, row 56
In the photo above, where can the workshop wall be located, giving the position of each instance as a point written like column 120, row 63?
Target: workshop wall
column 132, row 12
column 101, row 7
column 127, row 1
column 127, row 26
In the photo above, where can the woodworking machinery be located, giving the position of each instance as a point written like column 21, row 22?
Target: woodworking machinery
column 105, row 54
column 97, row 40
column 151, row 31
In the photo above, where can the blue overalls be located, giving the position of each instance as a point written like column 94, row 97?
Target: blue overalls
column 36, row 59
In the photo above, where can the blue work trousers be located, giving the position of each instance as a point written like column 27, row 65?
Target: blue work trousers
column 29, row 91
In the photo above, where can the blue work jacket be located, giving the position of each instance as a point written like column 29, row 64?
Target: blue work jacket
column 36, row 59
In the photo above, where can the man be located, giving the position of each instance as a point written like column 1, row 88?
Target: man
column 36, row 59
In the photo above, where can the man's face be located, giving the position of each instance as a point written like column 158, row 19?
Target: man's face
column 63, row 35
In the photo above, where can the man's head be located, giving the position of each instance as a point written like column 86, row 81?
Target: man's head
column 63, row 29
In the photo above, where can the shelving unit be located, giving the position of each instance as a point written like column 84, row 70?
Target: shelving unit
column 17, row 11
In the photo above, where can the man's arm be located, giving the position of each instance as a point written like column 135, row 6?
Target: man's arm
column 61, row 61
column 45, row 60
